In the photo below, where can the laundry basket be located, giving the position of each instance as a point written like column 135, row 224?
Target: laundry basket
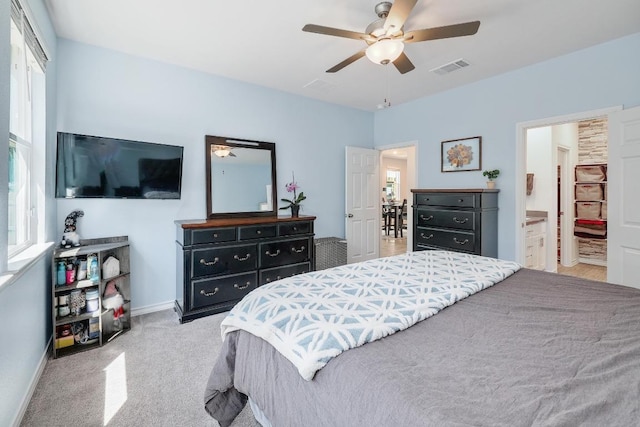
column 330, row 252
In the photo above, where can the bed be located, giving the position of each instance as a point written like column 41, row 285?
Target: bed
column 534, row 348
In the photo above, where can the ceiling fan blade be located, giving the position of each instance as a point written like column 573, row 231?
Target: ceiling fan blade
column 456, row 30
column 329, row 31
column 398, row 15
column 349, row 60
column 403, row 64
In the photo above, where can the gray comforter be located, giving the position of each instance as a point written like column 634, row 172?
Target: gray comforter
column 535, row 349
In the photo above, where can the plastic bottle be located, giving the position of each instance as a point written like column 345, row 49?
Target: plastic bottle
column 61, row 274
column 94, row 273
column 71, row 273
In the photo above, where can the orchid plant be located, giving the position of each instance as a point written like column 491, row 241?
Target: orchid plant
column 293, row 187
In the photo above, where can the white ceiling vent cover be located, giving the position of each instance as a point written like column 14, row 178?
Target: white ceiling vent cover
column 451, row 66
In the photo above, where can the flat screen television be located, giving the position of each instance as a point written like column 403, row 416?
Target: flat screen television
column 100, row 167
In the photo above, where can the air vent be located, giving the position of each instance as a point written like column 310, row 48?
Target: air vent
column 319, row 85
column 451, row 66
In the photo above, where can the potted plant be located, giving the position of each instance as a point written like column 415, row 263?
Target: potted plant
column 491, row 175
column 294, row 203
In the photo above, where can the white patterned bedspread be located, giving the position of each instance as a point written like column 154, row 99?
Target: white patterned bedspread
column 313, row 317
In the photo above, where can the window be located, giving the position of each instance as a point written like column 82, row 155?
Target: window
column 26, row 128
column 393, row 184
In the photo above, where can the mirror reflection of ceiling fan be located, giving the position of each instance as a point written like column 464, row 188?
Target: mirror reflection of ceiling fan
column 386, row 37
column 222, row 151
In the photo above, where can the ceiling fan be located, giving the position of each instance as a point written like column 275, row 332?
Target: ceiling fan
column 386, row 38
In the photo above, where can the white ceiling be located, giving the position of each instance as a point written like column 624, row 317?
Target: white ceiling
column 262, row 42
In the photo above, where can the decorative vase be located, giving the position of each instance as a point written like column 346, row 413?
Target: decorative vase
column 295, row 211
column 491, row 184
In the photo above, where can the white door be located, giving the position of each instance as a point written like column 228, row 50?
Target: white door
column 363, row 213
column 623, row 218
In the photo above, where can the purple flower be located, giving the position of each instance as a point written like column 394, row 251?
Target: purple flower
column 293, row 187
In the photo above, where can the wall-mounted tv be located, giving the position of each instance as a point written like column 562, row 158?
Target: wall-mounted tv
column 100, row 167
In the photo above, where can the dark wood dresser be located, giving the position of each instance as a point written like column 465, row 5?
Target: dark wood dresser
column 221, row 260
column 462, row 220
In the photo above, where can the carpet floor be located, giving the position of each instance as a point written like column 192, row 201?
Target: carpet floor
column 153, row 375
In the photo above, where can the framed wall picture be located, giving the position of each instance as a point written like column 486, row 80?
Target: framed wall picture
column 457, row 155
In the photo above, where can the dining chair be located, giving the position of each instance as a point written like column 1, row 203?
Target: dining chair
column 402, row 217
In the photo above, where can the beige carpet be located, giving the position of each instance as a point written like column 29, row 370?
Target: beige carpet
column 154, row 375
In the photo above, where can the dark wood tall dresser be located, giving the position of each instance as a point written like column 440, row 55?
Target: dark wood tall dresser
column 219, row 261
column 462, row 220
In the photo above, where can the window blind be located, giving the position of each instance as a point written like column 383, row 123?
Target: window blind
column 18, row 15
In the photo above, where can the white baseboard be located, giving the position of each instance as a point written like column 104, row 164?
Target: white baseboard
column 599, row 262
column 152, row 308
column 32, row 386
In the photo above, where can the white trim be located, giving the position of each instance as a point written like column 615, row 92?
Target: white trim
column 590, row 261
column 152, row 308
column 35, row 378
column 521, row 163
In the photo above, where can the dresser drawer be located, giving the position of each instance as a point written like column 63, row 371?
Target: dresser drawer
column 463, row 220
column 213, row 235
column 272, row 274
column 451, row 199
column 454, row 240
column 256, row 232
column 224, row 260
column 284, row 252
column 220, row 290
column 292, row 228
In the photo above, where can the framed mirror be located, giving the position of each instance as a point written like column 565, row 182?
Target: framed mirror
column 241, row 177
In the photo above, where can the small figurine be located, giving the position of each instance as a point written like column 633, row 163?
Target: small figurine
column 70, row 237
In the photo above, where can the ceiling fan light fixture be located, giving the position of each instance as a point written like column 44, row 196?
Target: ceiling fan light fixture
column 222, row 152
column 385, row 51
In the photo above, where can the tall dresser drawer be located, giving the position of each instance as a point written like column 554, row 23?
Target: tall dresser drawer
column 464, row 220
column 456, row 199
column 292, row 228
column 285, row 252
column 272, row 274
column 224, row 260
column 223, row 289
column 445, row 239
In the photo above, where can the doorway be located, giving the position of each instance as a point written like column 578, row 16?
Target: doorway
column 565, row 144
column 397, row 178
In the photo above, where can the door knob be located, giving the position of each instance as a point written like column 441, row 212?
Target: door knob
column 349, row 215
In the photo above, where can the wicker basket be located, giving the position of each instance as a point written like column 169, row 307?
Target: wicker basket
column 330, row 252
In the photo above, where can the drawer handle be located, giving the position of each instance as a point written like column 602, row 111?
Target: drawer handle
column 302, row 248
column 464, row 242
column 460, row 200
column 430, row 236
column 209, row 294
column 215, row 261
column 295, row 228
column 426, row 218
column 275, row 254
column 242, row 259
column 277, row 278
column 235, row 285
column 215, row 235
column 455, row 219
column 259, row 232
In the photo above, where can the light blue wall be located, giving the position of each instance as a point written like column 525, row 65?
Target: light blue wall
column 25, row 329
column 603, row 76
column 105, row 93
column 25, row 309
